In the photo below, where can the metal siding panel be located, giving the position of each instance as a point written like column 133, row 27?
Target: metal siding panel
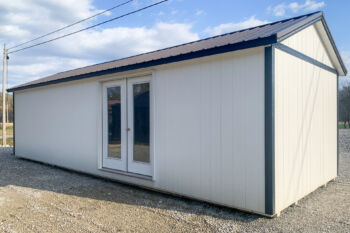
column 238, row 182
column 227, row 162
column 206, row 135
column 227, row 130
column 57, row 121
column 306, row 152
column 253, row 143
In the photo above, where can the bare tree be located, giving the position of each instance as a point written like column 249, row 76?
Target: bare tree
column 344, row 105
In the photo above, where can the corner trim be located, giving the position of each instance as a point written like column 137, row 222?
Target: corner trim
column 13, row 121
column 325, row 25
column 324, row 44
column 338, row 125
column 319, row 16
column 304, row 57
column 270, row 130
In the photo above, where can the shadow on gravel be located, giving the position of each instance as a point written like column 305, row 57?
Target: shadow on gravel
column 26, row 173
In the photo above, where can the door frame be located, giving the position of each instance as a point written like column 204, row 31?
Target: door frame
column 107, row 162
column 134, row 166
column 103, row 137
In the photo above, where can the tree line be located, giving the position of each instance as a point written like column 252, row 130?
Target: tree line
column 9, row 101
column 344, row 105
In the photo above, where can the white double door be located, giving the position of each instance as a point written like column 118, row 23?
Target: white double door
column 127, row 125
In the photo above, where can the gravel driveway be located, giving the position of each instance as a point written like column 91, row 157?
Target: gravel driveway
column 40, row 198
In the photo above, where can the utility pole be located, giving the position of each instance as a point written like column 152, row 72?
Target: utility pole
column 4, row 98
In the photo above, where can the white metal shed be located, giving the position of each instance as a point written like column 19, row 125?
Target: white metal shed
column 246, row 120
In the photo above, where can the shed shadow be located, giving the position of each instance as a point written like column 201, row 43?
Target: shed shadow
column 35, row 175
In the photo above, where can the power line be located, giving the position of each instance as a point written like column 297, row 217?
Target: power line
column 70, row 25
column 84, row 29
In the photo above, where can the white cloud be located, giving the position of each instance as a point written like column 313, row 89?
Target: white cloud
column 200, row 12
column 19, row 22
column 13, row 31
column 295, row 7
column 30, row 68
column 124, row 41
column 230, row 27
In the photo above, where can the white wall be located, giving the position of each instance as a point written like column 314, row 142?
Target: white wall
column 305, row 127
column 209, row 128
column 58, row 125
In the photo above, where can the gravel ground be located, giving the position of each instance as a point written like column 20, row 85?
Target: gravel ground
column 40, row 198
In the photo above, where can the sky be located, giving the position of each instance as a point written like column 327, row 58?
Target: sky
column 168, row 24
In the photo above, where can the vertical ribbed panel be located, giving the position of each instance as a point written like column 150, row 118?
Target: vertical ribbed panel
column 305, row 127
column 211, row 129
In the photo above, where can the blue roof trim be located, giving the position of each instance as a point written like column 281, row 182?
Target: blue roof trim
column 334, row 45
column 304, row 57
column 314, row 18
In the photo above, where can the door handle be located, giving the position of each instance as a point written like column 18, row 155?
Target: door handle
column 127, row 129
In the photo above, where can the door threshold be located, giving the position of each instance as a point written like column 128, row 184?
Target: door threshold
column 145, row 177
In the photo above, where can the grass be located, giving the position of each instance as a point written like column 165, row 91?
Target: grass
column 342, row 125
column 9, row 131
column 9, row 142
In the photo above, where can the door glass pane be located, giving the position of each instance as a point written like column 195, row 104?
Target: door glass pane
column 114, row 122
column 141, row 122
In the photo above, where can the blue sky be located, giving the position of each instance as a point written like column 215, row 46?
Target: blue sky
column 203, row 14
column 171, row 23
